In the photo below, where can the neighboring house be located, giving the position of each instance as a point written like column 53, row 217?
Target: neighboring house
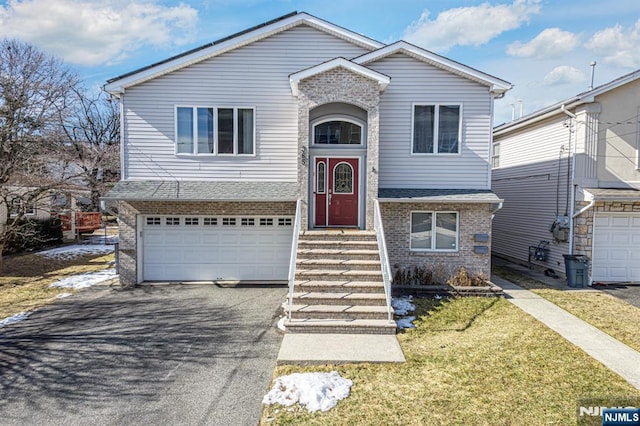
column 220, row 142
column 569, row 174
column 67, row 204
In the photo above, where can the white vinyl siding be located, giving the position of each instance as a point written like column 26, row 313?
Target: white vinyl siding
column 416, row 83
column 254, row 75
column 532, row 179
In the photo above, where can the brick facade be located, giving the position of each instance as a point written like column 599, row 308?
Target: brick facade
column 472, row 218
column 129, row 211
column 344, row 86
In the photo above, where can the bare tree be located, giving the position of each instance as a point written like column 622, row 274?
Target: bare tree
column 35, row 90
column 92, row 135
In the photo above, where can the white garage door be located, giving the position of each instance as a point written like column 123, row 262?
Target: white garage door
column 209, row 248
column 616, row 247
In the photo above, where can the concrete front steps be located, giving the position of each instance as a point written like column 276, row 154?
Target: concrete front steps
column 338, row 285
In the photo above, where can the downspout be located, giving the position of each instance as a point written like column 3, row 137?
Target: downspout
column 585, row 208
column 573, row 175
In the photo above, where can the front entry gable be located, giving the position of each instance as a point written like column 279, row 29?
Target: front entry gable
column 295, row 78
column 338, row 84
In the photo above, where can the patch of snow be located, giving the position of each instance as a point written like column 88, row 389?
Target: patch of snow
column 315, row 391
column 76, row 250
column 281, row 324
column 405, row 322
column 85, row 280
column 63, row 295
column 403, row 305
column 14, row 319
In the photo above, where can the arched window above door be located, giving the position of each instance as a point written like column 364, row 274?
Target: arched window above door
column 337, row 132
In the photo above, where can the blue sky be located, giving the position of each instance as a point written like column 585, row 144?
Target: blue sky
column 543, row 47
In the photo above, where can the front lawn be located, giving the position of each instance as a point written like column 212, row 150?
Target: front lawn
column 26, row 279
column 469, row 361
column 611, row 315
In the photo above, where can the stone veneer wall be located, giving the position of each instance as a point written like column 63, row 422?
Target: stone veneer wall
column 583, row 224
column 128, row 211
column 472, row 218
column 339, row 85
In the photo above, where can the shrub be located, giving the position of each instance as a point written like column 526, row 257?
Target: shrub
column 463, row 278
column 34, row 234
column 438, row 275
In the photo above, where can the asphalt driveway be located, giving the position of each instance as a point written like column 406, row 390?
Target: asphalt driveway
column 166, row 354
column 630, row 293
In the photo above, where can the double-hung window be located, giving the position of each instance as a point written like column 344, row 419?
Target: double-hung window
column 495, row 155
column 436, row 129
column 434, row 231
column 215, row 130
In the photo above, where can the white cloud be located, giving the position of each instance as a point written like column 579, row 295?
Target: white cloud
column 564, row 74
column 91, row 33
column 469, row 26
column 618, row 46
column 550, row 43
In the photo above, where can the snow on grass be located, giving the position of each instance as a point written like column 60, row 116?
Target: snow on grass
column 14, row 319
column 63, row 295
column 403, row 305
column 85, row 280
column 405, row 322
column 315, row 391
column 76, row 250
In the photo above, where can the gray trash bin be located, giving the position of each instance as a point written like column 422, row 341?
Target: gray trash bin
column 577, row 269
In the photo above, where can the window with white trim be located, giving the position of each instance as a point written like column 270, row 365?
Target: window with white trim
column 247, row 221
column 192, row 221
column 153, row 221
column 172, row 221
column 228, row 221
column 18, row 205
column 436, row 129
column 337, row 132
column 495, row 155
column 215, row 130
column 285, row 221
column 210, row 221
column 434, row 231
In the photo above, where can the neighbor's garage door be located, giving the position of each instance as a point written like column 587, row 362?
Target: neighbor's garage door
column 616, row 247
column 207, row 248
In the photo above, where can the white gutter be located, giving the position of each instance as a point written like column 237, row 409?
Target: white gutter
column 573, row 174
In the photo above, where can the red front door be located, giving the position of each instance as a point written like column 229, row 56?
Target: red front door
column 336, row 191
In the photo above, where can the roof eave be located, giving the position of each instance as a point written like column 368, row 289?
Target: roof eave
column 440, row 200
column 496, row 85
column 581, row 98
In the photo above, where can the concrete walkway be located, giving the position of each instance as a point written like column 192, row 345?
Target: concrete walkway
column 615, row 355
column 302, row 348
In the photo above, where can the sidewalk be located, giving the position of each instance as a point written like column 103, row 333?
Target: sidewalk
column 615, row 355
column 301, row 348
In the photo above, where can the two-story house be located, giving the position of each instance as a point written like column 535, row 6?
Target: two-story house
column 299, row 136
column 570, row 175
